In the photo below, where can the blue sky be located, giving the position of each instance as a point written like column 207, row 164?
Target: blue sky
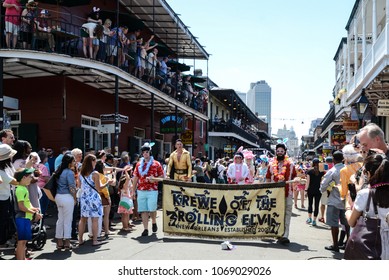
column 290, row 44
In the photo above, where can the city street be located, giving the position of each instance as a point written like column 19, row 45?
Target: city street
column 307, row 243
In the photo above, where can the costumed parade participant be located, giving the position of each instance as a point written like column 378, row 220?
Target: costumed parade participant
column 237, row 171
column 262, row 169
column 249, row 160
column 281, row 169
column 181, row 163
column 146, row 170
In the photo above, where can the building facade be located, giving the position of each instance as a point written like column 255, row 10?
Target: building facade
column 259, row 101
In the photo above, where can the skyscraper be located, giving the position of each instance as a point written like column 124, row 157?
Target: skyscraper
column 259, row 101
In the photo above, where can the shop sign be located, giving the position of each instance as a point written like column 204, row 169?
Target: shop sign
column 168, row 124
column 187, row 137
column 383, row 107
column 350, row 125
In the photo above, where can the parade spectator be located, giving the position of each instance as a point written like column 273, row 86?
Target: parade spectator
column 25, row 211
column 312, row 187
column 125, row 189
column 89, row 32
column 371, row 136
column 144, row 47
column 199, row 171
column 132, row 49
column 65, row 200
column 249, row 158
column 7, row 137
column 335, row 206
column 50, row 160
column 376, row 168
column 27, row 23
column 147, row 188
column 103, row 50
column 181, row 160
column 44, row 30
column 262, row 169
column 324, row 198
column 43, row 178
column 90, row 201
column 6, row 200
column 299, row 186
column 282, row 169
column 13, row 10
column 58, row 159
column 152, row 62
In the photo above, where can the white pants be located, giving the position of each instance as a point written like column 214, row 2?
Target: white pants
column 288, row 215
column 65, row 206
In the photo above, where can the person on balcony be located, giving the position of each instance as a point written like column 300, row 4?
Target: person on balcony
column 90, row 31
column 44, row 30
column 13, row 10
column 27, row 23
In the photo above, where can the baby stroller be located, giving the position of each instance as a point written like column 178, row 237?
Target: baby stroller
column 39, row 235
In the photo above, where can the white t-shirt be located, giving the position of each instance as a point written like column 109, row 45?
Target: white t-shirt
column 5, row 188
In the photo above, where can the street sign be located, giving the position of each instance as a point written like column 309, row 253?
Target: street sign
column 107, row 128
column 112, row 117
column 122, row 118
column 383, row 107
column 107, row 117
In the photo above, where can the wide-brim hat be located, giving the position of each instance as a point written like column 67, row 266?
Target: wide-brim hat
column 6, row 152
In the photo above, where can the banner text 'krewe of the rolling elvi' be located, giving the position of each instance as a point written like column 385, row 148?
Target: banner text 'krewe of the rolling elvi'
column 239, row 211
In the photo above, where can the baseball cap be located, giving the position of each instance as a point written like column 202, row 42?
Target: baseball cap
column 19, row 174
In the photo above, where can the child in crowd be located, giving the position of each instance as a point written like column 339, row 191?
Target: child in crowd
column 125, row 207
column 25, row 212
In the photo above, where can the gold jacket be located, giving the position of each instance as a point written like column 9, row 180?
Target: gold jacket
column 184, row 163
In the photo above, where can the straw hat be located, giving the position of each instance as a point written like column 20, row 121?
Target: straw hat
column 6, row 152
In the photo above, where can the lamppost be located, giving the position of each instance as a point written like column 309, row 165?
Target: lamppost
column 361, row 107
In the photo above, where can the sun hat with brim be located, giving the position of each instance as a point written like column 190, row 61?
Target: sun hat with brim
column 6, row 152
column 19, row 174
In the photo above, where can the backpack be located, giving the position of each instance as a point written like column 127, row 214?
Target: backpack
column 214, row 172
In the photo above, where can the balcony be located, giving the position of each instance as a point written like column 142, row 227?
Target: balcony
column 233, row 131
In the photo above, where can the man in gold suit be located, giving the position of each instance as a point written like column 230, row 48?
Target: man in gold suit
column 180, row 159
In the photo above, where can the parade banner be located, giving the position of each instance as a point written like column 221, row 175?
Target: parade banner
column 223, row 211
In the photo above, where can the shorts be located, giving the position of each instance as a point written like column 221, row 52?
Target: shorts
column 26, row 37
column 147, row 201
column 324, row 198
column 83, row 33
column 23, row 228
column 95, row 42
column 111, row 50
column 334, row 216
column 12, row 28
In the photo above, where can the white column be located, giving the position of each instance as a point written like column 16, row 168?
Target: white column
column 374, row 21
column 363, row 16
column 355, row 23
column 346, row 69
column 387, row 12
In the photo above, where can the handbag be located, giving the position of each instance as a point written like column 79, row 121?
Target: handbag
column 104, row 200
column 50, row 188
column 364, row 242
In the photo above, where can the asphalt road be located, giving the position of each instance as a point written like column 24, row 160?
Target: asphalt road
column 307, row 243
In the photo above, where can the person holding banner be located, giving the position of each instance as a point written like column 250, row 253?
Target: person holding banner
column 180, row 159
column 282, row 169
column 145, row 173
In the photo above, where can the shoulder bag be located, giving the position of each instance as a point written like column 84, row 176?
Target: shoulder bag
column 50, row 188
column 364, row 242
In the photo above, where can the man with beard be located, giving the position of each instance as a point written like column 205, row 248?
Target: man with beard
column 282, row 169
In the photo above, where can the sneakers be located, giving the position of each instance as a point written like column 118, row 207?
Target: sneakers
column 314, row 223
column 309, row 220
column 145, row 232
column 155, row 228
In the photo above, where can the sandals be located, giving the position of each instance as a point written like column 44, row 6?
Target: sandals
column 321, row 220
column 68, row 247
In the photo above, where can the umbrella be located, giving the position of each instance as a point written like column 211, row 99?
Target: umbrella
column 174, row 65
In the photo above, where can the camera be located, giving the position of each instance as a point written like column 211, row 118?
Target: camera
column 352, row 190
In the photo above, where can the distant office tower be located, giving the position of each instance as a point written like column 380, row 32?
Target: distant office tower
column 259, row 101
column 242, row 96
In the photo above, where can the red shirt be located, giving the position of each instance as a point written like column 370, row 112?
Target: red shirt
column 155, row 170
